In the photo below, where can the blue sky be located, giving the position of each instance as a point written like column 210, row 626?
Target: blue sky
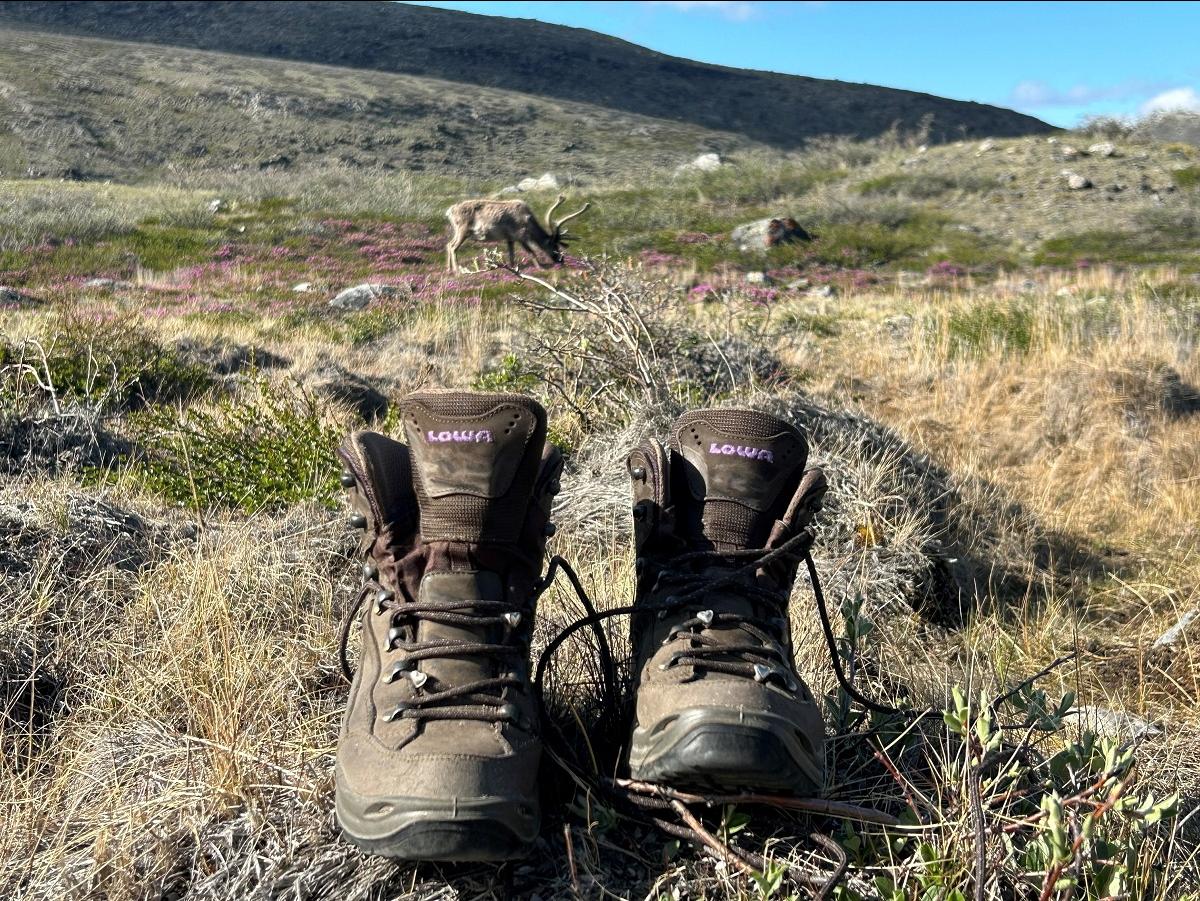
column 1058, row 61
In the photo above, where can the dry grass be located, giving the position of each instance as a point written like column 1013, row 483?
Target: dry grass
column 1014, row 477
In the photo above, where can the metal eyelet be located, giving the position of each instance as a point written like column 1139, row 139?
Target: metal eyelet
column 762, row 673
column 510, row 712
column 417, row 678
column 396, row 714
column 513, row 618
column 369, row 570
column 706, row 617
column 549, row 529
column 347, row 479
column 639, row 473
column 358, row 521
column 397, row 668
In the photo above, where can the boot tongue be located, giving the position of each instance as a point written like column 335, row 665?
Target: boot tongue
column 733, row 474
column 475, row 461
column 475, row 458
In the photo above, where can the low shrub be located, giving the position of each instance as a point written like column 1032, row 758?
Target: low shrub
column 268, row 447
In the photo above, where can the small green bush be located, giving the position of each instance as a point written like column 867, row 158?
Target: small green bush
column 1187, row 178
column 265, row 450
column 115, row 363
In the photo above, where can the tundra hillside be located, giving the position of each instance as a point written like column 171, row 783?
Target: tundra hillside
column 992, row 344
column 1007, row 407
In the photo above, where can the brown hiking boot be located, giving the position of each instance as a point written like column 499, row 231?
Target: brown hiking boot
column 718, row 700
column 439, row 750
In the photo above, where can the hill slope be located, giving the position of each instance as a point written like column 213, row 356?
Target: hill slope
column 530, row 57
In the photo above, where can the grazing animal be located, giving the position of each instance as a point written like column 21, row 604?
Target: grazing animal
column 511, row 221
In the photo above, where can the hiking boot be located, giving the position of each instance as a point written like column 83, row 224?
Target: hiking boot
column 439, row 749
column 719, row 703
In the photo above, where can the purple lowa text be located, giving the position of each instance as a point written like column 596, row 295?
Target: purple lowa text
column 476, row 436
column 730, row 450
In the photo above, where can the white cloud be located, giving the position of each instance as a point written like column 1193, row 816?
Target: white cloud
column 733, row 10
column 1174, row 100
column 1032, row 94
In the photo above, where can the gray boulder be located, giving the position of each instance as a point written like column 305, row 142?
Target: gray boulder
column 705, row 162
column 360, row 296
column 1076, row 182
column 1104, row 148
column 544, row 182
column 15, row 297
column 769, row 232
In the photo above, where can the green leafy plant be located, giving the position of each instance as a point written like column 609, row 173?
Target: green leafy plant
column 267, row 449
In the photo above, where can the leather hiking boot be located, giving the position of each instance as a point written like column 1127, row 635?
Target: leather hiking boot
column 719, row 703
column 439, row 749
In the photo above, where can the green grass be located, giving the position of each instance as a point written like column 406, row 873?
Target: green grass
column 990, row 327
column 114, row 362
column 925, row 187
column 271, row 446
column 1187, row 178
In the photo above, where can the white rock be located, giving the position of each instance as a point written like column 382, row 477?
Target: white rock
column 217, row 206
column 1104, row 148
column 1064, row 291
column 360, row 296
column 705, row 162
column 823, row 291
column 986, row 146
column 1115, row 723
column 757, row 277
column 1173, row 634
column 1070, row 153
column 544, row 182
column 302, row 287
column 1078, row 182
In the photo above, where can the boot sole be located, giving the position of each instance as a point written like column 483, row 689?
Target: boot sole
column 423, row 829
column 724, row 748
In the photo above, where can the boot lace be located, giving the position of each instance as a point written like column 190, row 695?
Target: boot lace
column 480, row 699
column 763, row 656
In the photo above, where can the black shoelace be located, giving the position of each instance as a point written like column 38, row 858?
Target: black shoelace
column 480, row 699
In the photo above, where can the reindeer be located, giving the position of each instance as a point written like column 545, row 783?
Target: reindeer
column 511, row 221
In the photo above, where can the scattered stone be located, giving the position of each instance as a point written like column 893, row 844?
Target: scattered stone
column 758, row 277
column 217, row 206
column 923, row 148
column 985, row 147
column 1064, row 291
column 10, row 297
column 1051, row 140
column 1169, row 638
column 349, row 388
column 543, row 182
column 770, row 232
column 1115, row 723
column 302, row 287
column 360, row 296
column 705, row 162
column 823, row 291
column 1077, row 182
column 800, row 284
column 1104, row 148
column 1070, row 153
column 109, row 284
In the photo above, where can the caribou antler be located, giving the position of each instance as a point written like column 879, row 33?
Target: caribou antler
column 550, row 212
column 558, row 226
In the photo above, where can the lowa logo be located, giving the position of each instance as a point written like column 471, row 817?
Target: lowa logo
column 470, row 436
column 739, row 450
